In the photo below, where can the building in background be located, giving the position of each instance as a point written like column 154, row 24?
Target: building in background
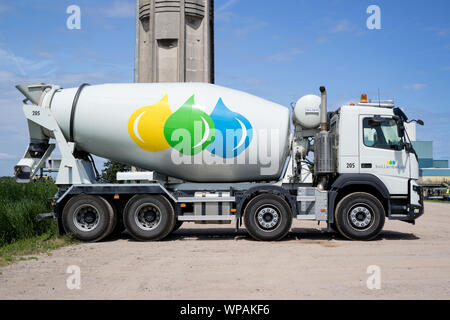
column 174, row 41
column 434, row 174
column 424, row 150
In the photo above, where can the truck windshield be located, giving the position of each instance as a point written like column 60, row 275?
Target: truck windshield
column 383, row 135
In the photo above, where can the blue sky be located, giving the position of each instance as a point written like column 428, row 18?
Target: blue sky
column 279, row 52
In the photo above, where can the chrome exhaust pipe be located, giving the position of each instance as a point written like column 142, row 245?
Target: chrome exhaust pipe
column 323, row 110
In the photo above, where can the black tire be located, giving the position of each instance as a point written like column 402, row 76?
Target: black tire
column 88, row 218
column 149, row 218
column 360, row 216
column 177, row 226
column 259, row 218
column 113, row 213
column 118, row 230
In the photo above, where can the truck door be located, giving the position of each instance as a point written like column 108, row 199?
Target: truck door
column 381, row 153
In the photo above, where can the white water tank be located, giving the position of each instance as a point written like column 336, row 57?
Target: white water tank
column 307, row 112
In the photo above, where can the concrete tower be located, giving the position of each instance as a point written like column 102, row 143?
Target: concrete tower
column 175, row 41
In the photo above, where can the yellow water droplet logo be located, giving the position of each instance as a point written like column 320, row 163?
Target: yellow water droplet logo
column 146, row 126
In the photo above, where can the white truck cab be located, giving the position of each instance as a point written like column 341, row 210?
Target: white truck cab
column 372, row 145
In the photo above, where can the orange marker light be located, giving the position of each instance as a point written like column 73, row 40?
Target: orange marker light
column 183, row 205
column 323, row 210
column 363, row 98
column 116, row 197
column 233, row 210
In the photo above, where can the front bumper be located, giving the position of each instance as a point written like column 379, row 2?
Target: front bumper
column 414, row 208
column 410, row 213
column 415, row 211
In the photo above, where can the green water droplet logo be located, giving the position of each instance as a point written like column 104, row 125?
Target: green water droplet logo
column 189, row 130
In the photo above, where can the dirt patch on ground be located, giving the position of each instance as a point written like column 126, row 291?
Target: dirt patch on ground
column 201, row 262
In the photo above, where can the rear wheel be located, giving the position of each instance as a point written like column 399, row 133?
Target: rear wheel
column 113, row 214
column 268, row 217
column 360, row 216
column 88, row 218
column 149, row 218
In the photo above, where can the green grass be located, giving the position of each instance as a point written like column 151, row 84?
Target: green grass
column 25, row 249
column 19, row 205
column 21, row 235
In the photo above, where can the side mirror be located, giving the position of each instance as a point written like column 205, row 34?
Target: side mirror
column 401, row 129
column 419, row 122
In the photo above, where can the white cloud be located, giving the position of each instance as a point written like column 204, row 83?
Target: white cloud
column 121, row 9
column 80, row 77
column 343, row 26
column 4, row 8
column 256, row 81
column 64, row 79
column 226, row 5
column 441, row 32
column 24, row 65
column 415, row 86
column 250, row 26
column 8, row 77
column 332, row 27
column 284, row 56
column 6, row 156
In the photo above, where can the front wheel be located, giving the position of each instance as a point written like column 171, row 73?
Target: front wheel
column 268, row 217
column 360, row 216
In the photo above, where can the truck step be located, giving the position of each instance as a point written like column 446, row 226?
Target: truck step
column 206, row 218
column 203, row 200
column 306, row 217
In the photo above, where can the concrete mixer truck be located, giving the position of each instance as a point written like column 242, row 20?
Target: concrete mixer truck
column 214, row 155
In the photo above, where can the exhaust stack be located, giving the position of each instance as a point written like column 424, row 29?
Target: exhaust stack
column 323, row 110
column 324, row 163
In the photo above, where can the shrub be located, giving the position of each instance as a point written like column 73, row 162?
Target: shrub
column 19, row 205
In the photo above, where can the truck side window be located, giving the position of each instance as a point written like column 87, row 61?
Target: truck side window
column 383, row 135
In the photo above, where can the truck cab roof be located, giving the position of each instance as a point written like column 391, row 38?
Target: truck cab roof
column 365, row 109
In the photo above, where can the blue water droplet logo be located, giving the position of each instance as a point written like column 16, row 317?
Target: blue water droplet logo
column 234, row 133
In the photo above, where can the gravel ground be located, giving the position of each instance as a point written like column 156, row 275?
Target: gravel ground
column 202, row 262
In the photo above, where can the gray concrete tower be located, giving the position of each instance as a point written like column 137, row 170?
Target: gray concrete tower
column 175, row 41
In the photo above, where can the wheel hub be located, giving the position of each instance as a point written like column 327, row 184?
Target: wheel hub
column 360, row 217
column 147, row 217
column 268, row 218
column 89, row 217
column 86, row 218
